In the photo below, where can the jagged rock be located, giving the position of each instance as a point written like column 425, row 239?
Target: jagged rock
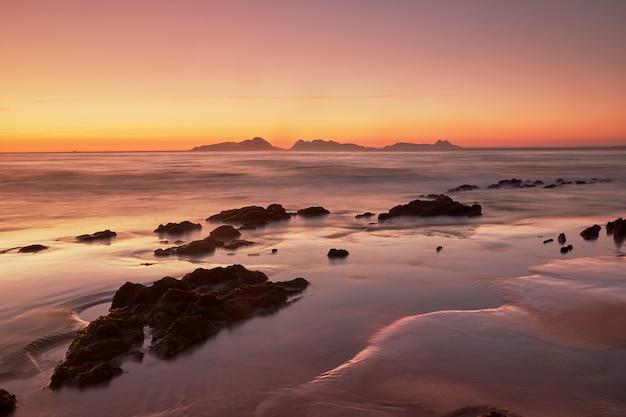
column 592, row 232
column 180, row 314
column 103, row 235
column 178, row 228
column 338, row 253
column 251, row 216
column 8, row 403
column 440, row 205
column 225, row 233
column 313, row 212
column 464, row 187
column 566, row 249
column 196, row 247
column 562, row 239
column 32, row 248
column 88, row 359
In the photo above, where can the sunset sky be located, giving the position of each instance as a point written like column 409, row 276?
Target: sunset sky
column 170, row 75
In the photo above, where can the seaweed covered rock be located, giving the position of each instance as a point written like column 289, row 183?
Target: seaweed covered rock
column 439, row 205
column 8, row 403
column 251, row 216
column 313, row 212
column 89, row 359
column 180, row 314
column 178, row 228
column 103, row 235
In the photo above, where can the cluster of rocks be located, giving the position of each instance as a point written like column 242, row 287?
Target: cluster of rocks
column 179, row 313
column 518, row 183
column 221, row 237
column 437, row 205
column 8, row 403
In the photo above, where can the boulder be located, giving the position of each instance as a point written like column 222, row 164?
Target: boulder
column 251, row 216
column 178, row 228
column 32, row 248
column 440, row 205
column 338, row 253
column 180, row 313
column 225, row 233
column 8, row 403
column 103, row 235
column 617, row 228
column 591, row 233
column 562, row 239
column 313, row 212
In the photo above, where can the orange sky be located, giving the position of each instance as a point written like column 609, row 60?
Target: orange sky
column 164, row 75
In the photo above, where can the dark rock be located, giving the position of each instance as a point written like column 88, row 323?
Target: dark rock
column 566, row 249
column 178, row 228
column 464, row 187
column 237, row 243
column 439, row 248
column 313, row 212
column 548, row 241
column 196, row 247
column 562, row 239
column 254, row 144
column 251, row 216
column 364, row 215
column 88, row 359
column 512, row 183
column 274, row 251
column 592, row 232
column 8, row 403
column 180, row 314
column 225, row 233
column 32, row 248
column 441, row 205
column 103, row 235
column 617, row 228
column 338, row 253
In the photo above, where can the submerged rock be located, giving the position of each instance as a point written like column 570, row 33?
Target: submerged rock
column 464, row 187
column 251, row 216
column 196, row 247
column 617, row 228
column 591, row 233
column 8, row 403
column 338, row 253
column 313, row 212
column 567, row 248
column 32, row 248
column 180, row 313
column 367, row 214
column 225, row 233
column 103, row 235
column 178, row 228
column 440, row 205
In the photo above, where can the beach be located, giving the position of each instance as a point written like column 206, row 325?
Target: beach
column 437, row 316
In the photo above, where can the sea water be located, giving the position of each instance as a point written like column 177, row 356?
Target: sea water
column 496, row 319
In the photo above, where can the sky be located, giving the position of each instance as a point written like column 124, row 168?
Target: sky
column 81, row 75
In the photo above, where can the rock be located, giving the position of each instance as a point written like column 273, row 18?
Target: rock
column 178, row 228
column 562, row 239
column 274, row 251
column 337, row 253
column 237, row 243
column 313, row 212
column 592, row 232
column 251, row 216
column 88, row 360
column 364, row 215
column 439, row 248
column 566, row 249
column 440, row 205
column 548, row 241
column 617, row 228
column 464, row 187
column 225, row 233
column 180, row 314
column 103, row 235
column 8, row 403
column 196, row 247
column 32, row 248
column 512, row 183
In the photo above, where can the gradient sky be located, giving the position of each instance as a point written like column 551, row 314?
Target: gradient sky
column 155, row 74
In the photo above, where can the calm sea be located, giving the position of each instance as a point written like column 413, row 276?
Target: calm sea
column 497, row 319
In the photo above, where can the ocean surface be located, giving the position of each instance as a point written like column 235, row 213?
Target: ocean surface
column 495, row 320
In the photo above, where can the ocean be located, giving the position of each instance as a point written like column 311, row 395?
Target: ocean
column 495, row 319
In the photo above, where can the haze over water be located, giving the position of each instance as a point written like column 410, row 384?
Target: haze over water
column 496, row 319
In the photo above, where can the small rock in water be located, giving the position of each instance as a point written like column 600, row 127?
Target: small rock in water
column 338, row 253
column 178, row 228
column 562, row 239
column 366, row 214
column 313, row 212
column 8, row 403
column 548, row 241
column 103, row 235
column 32, row 248
column 592, row 232
column 274, row 251
column 439, row 248
column 566, row 249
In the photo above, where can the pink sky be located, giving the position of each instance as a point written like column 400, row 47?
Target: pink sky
column 154, row 74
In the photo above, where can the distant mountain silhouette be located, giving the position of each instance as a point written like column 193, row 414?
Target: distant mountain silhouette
column 255, row 144
column 319, row 145
column 406, row 147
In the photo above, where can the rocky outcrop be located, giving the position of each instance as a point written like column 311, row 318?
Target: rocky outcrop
column 313, row 212
column 338, row 253
column 32, row 248
column 439, row 205
column 464, row 187
column 254, row 144
column 516, row 183
column 8, row 403
column 103, row 235
column 252, row 216
column 178, row 228
column 591, row 233
column 617, row 228
column 196, row 247
column 180, row 313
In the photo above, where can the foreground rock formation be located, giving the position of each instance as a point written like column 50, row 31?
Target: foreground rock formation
column 439, row 205
column 180, row 313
